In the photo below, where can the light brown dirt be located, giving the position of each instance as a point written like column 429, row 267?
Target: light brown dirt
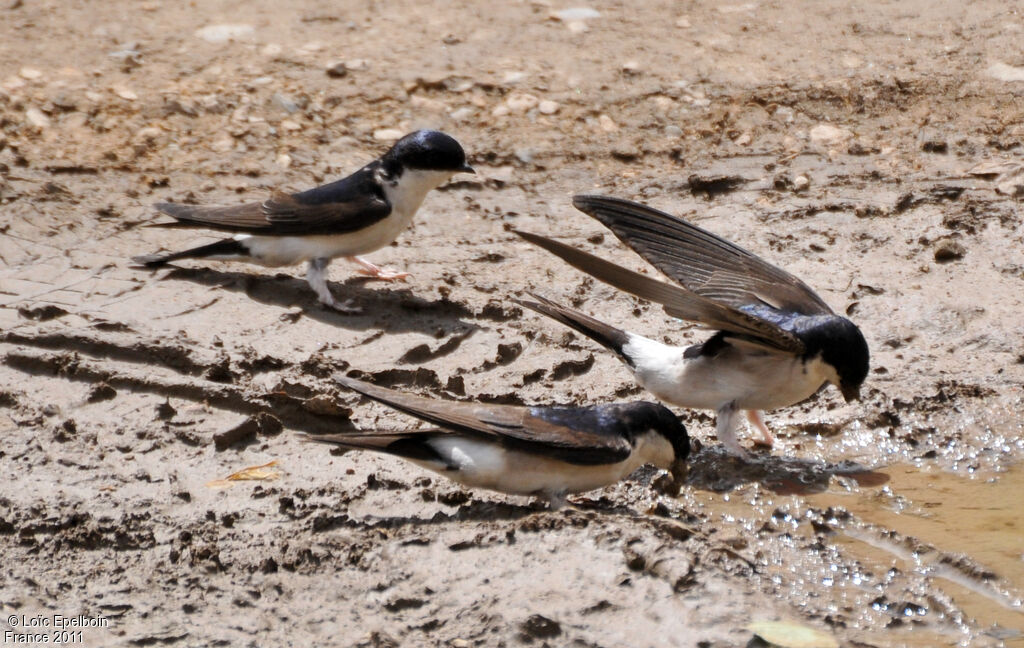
column 116, row 382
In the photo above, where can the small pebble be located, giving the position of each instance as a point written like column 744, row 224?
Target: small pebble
column 223, row 33
column 576, row 13
column 30, row 74
column 829, row 135
column 37, row 118
column 125, row 93
column 1004, row 72
column 947, row 249
column 607, row 124
column 337, row 70
column 548, row 107
column 462, row 114
column 801, row 182
column 521, row 102
column 631, row 67
column 284, row 102
column 387, row 134
column 513, row 77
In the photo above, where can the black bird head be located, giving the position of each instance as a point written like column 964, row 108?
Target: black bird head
column 427, row 150
column 841, row 345
column 642, row 416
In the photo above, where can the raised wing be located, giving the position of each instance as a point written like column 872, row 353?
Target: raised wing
column 585, row 436
column 703, row 262
column 678, row 301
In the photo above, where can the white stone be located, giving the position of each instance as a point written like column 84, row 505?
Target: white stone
column 548, row 107
column 462, row 114
column 801, row 182
column 1004, row 72
column 224, row 32
column 577, row 13
column 125, row 93
column 37, row 118
column 387, row 134
column 829, row 135
column 521, row 102
column 428, row 104
column 607, row 124
column 30, row 74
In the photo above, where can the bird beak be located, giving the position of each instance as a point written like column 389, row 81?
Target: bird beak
column 679, row 471
column 850, row 393
column 467, row 169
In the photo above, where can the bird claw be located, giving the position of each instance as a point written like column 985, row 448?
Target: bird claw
column 345, row 308
column 376, row 272
column 384, row 274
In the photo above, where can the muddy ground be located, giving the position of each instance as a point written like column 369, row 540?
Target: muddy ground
column 867, row 148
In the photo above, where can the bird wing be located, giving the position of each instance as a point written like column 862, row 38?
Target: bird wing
column 705, row 263
column 678, row 301
column 526, row 428
column 347, row 205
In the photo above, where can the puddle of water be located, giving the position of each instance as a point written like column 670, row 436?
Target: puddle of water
column 979, row 517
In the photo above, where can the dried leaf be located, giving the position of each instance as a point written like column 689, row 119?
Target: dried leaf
column 789, row 634
column 264, row 472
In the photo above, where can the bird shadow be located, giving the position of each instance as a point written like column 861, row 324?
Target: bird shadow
column 473, row 511
column 396, row 309
column 716, row 469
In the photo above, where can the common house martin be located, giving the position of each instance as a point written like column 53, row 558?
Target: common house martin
column 543, row 451
column 352, row 216
column 777, row 342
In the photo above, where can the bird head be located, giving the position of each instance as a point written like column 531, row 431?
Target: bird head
column 430, row 151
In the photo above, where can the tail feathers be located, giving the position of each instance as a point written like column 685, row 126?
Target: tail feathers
column 604, row 334
column 227, row 247
column 414, row 444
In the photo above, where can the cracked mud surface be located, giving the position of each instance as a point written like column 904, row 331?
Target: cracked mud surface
column 871, row 153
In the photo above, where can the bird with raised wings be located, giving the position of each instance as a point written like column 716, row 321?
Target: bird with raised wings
column 776, row 342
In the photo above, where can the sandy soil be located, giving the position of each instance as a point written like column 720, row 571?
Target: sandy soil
column 868, row 149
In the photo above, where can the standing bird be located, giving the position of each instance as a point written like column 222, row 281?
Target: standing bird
column 352, row 216
column 777, row 343
column 545, row 451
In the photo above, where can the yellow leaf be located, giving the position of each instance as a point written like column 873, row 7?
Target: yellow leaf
column 263, row 472
column 789, row 634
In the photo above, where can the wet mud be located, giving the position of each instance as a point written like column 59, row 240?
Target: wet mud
column 875, row 152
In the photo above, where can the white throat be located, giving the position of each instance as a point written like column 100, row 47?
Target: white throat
column 412, row 186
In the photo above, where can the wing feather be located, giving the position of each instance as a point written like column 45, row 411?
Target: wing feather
column 510, row 424
column 701, row 261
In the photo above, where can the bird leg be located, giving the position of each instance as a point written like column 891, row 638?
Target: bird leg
column 316, row 275
column 725, row 429
column 756, row 419
column 377, row 272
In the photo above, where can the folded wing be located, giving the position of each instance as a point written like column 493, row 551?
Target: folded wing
column 344, row 206
column 584, row 440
